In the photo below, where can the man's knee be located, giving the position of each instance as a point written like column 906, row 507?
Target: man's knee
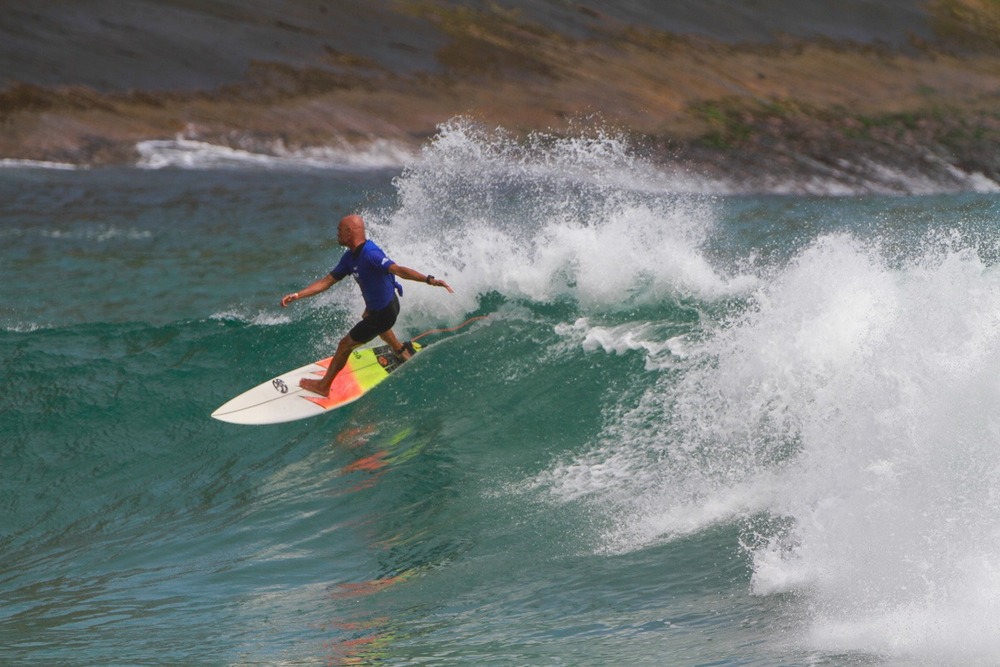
column 347, row 344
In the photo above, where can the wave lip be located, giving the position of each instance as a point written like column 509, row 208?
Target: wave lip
column 183, row 153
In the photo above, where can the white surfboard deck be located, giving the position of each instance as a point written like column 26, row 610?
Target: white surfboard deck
column 280, row 399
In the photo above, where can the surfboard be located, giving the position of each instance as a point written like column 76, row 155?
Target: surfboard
column 281, row 399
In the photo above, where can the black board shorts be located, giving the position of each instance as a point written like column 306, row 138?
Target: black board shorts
column 376, row 322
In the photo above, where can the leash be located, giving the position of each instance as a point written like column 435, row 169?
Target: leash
column 449, row 330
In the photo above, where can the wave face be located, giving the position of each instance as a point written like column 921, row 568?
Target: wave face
column 695, row 428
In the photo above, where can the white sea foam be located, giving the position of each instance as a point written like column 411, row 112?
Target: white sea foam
column 12, row 163
column 549, row 219
column 99, row 233
column 856, row 403
column 21, row 327
column 191, row 154
column 652, row 339
column 864, row 176
column 264, row 318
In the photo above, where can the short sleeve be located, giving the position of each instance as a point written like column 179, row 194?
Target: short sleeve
column 343, row 268
column 378, row 260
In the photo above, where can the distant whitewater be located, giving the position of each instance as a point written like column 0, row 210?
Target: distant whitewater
column 12, row 163
column 859, row 175
column 185, row 153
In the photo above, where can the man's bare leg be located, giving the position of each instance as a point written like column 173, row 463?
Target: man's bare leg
column 390, row 339
column 340, row 357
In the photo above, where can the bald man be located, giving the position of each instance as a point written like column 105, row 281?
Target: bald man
column 376, row 275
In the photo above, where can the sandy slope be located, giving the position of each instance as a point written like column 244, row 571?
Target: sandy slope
column 85, row 84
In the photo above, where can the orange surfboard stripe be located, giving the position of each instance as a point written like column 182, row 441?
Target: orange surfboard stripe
column 364, row 370
column 345, row 387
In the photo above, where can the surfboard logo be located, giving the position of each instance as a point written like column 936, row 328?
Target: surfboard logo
column 280, row 385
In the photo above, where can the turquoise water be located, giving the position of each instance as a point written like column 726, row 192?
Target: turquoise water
column 696, row 428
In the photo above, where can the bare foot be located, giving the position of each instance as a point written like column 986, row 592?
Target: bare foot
column 315, row 386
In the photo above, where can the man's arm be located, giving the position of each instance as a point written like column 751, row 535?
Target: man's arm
column 321, row 285
column 409, row 274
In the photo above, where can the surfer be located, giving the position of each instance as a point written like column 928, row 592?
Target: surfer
column 376, row 275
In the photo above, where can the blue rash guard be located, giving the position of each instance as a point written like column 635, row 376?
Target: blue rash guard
column 370, row 267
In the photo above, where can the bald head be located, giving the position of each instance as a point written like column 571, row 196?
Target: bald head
column 351, row 231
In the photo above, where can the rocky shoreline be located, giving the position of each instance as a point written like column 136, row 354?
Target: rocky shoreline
column 817, row 112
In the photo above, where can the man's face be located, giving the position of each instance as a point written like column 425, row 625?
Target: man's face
column 343, row 234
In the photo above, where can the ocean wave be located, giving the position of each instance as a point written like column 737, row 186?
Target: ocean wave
column 926, row 174
column 99, row 233
column 12, row 163
column 182, row 153
column 21, row 327
column 658, row 342
column 845, row 424
column 263, row 318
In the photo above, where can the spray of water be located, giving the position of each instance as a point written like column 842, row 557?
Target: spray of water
column 547, row 219
column 848, row 421
column 845, row 419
